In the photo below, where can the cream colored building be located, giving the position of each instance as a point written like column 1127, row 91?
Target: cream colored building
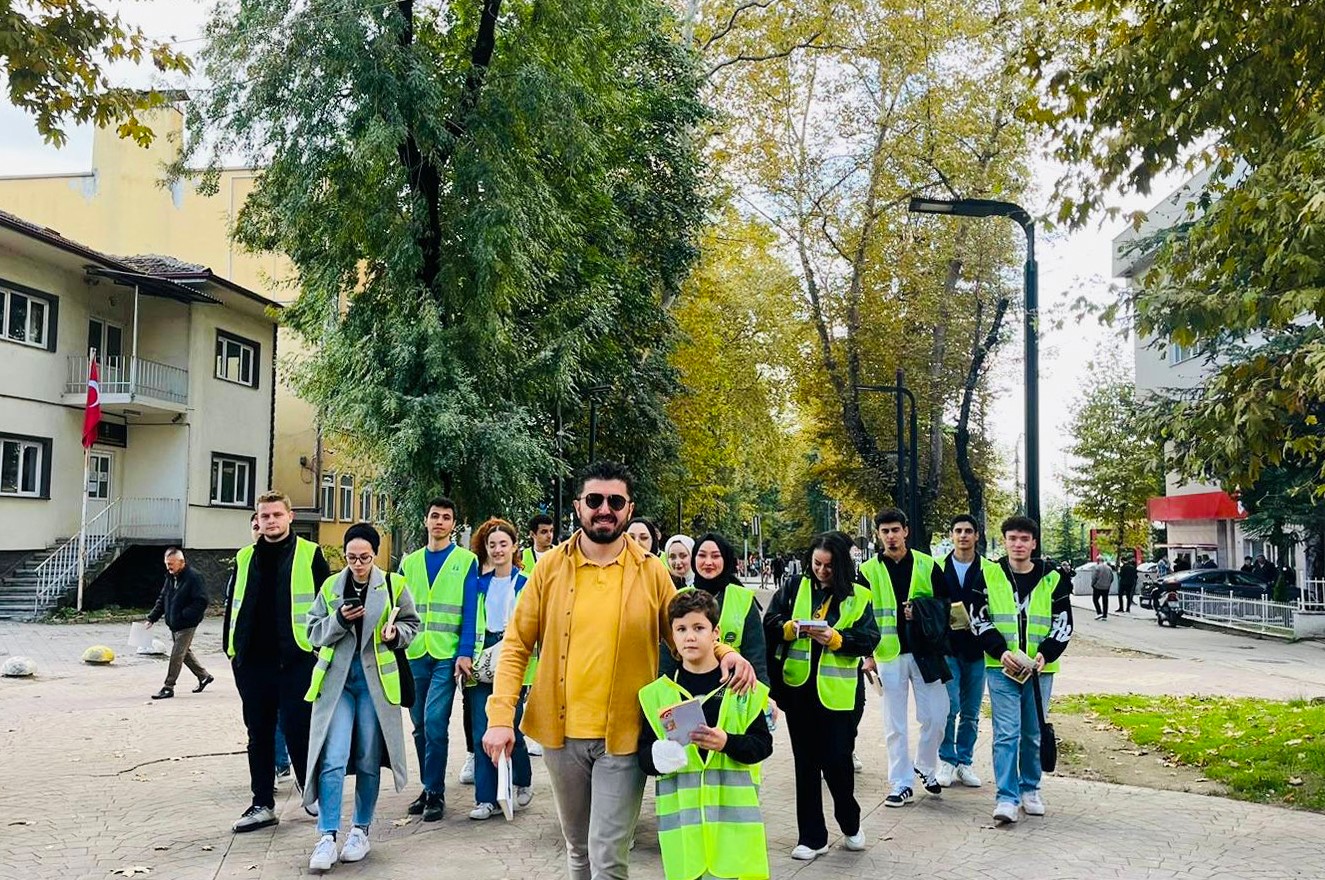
column 120, row 207
column 187, row 398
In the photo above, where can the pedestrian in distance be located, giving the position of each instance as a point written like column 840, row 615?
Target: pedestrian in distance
column 183, row 604
column 598, row 604
column 499, row 587
column 1248, row 566
column 1023, row 619
column 541, row 534
column 443, row 581
column 707, row 789
column 1101, row 582
column 678, row 551
column 1127, row 577
column 358, row 621
column 898, row 575
column 646, row 534
column 818, row 629
column 964, row 571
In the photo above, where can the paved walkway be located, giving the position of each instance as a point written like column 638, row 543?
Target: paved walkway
column 98, row 778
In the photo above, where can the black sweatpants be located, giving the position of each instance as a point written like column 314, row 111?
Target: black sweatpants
column 269, row 689
column 1101, row 600
column 822, row 742
column 1125, row 595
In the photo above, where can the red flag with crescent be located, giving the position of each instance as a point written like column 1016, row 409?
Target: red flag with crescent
column 92, row 414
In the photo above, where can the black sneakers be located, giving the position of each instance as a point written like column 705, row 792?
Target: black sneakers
column 899, row 798
column 164, row 694
column 255, row 817
column 416, row 806
column 930, row 782
column 434, row 808
column 202, row 684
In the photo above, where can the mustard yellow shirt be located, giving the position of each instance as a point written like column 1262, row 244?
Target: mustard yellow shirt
column 591, row 652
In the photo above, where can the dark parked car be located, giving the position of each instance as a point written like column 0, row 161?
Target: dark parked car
column 1221, row 580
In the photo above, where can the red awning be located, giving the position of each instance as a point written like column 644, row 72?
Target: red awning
column 1202, row 505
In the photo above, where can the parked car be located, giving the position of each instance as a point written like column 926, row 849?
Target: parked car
column 1221, row 580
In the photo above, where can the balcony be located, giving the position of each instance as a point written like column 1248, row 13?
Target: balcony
column 130, row 382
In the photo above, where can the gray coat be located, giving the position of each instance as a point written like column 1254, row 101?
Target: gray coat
column 324, row 629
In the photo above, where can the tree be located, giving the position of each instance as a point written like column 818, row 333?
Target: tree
column 55, row 55
column 483, row 218
column 828, row 144
column 1118, row 466
column 1132, row 90
column 1062, row 533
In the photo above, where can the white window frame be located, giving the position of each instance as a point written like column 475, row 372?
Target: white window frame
column 1179, row 353
column 22, row 448
column 7, row 295
column 327, row 497
column 242, row 487
column 224, row 341
column 382, row 501
column 95, row 472
column 365, row 504
column 345, row 497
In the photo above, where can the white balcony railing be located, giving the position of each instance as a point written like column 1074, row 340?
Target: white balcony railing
column 129, row 375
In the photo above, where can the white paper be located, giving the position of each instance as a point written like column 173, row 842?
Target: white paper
column 140, row 636
column 505, row 787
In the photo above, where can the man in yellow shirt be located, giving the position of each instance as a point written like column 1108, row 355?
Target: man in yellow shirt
column 598, row 605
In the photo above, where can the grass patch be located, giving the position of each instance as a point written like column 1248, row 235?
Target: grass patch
column 1262, row 750
column 109, row 614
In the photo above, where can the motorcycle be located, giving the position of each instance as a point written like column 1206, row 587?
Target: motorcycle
column 1167, row 605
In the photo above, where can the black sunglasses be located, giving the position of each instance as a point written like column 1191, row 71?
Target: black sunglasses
column 594, row 500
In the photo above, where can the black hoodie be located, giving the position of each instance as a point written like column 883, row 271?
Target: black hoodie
column 1060, row 627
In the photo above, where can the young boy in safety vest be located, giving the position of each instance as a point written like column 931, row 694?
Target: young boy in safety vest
column 707, row 796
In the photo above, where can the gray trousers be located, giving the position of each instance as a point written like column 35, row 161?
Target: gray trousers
column 181, row 652
column 598, row 800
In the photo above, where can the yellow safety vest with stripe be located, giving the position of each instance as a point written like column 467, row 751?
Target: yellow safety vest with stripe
column 836, row 681
column 1004, row 615
column 528, row 561
column 885, row 600
column 302, row 592
column 736, row 602
column 709, row 821
column 440, row 604
column 481, row 626
column 387, row 671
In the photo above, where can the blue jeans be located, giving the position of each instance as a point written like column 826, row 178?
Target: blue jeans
column 434, row 694
column 1016, row 734
column 282, row 753
column 354, row 720
column 966, row 691
column 485, row 772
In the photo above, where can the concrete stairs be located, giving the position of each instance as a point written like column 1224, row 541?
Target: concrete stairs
column 18, row 590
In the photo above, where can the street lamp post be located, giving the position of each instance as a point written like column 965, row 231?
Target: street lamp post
column 592, row 394
column 1030, row 285
column 908, row 470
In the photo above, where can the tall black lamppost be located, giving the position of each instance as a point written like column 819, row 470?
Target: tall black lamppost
column 1030, row 283
column 908, row 479
column 592, row 394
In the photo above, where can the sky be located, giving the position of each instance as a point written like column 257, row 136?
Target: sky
column 1071, row 265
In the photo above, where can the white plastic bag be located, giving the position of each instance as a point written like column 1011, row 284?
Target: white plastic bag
column 140, row 636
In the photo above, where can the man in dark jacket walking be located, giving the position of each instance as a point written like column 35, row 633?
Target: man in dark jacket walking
column 1127, row 575
column 183, row 602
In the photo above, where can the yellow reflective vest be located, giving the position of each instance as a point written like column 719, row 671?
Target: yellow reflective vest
column 387, row 670
column 836, row 679
column 302, row 592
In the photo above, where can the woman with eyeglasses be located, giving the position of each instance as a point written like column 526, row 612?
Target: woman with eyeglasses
column 499, row 587
column 818, row 630
column 357, row 623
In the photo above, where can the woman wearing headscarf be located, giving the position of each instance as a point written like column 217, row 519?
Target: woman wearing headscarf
column 819, row 629
column 677, row 553
column 355, row 692
column 740, row 624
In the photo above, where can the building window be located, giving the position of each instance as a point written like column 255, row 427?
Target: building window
column 346, row 497
column 366, row 505
column 381, row 507
column 25, row 466
column 237, row 359
column 98, row 476
column 1179, row 352
column 328, row 497
column 232, row 480
column 108, row 340
column 25, row 317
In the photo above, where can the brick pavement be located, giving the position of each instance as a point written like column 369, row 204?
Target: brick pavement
column 102, row 778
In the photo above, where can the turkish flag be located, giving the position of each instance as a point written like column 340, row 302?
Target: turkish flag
column 92, row 414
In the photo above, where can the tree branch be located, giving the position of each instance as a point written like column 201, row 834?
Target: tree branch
column 731, row 21
column 807, row 43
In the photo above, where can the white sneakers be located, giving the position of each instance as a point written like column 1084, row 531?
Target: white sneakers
column 324, row 854
column 484, row 811
column 855, row 842
column 523, row 795
column 1006, row 813
column 467, row 772
column 1032, row 803
column 946, row 773
column 855, row 763
column 356, row 845
column 966, row 776
column 803, row 853
column 534, row 748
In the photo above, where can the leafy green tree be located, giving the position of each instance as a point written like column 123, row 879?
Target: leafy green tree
column 1132, row 90
column 1062, row 533
column 1118, row 467
column 485, row 205
column 54, row 55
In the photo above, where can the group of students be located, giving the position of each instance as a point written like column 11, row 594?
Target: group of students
column 454, row 617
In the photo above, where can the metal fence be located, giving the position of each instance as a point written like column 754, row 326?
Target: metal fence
column 1313, row 596
column 1236, row 612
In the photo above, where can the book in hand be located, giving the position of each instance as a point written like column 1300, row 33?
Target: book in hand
column 683, row 719
column 958, row 619
column 1026, row 667
column 813, row 624
column 506, row 787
